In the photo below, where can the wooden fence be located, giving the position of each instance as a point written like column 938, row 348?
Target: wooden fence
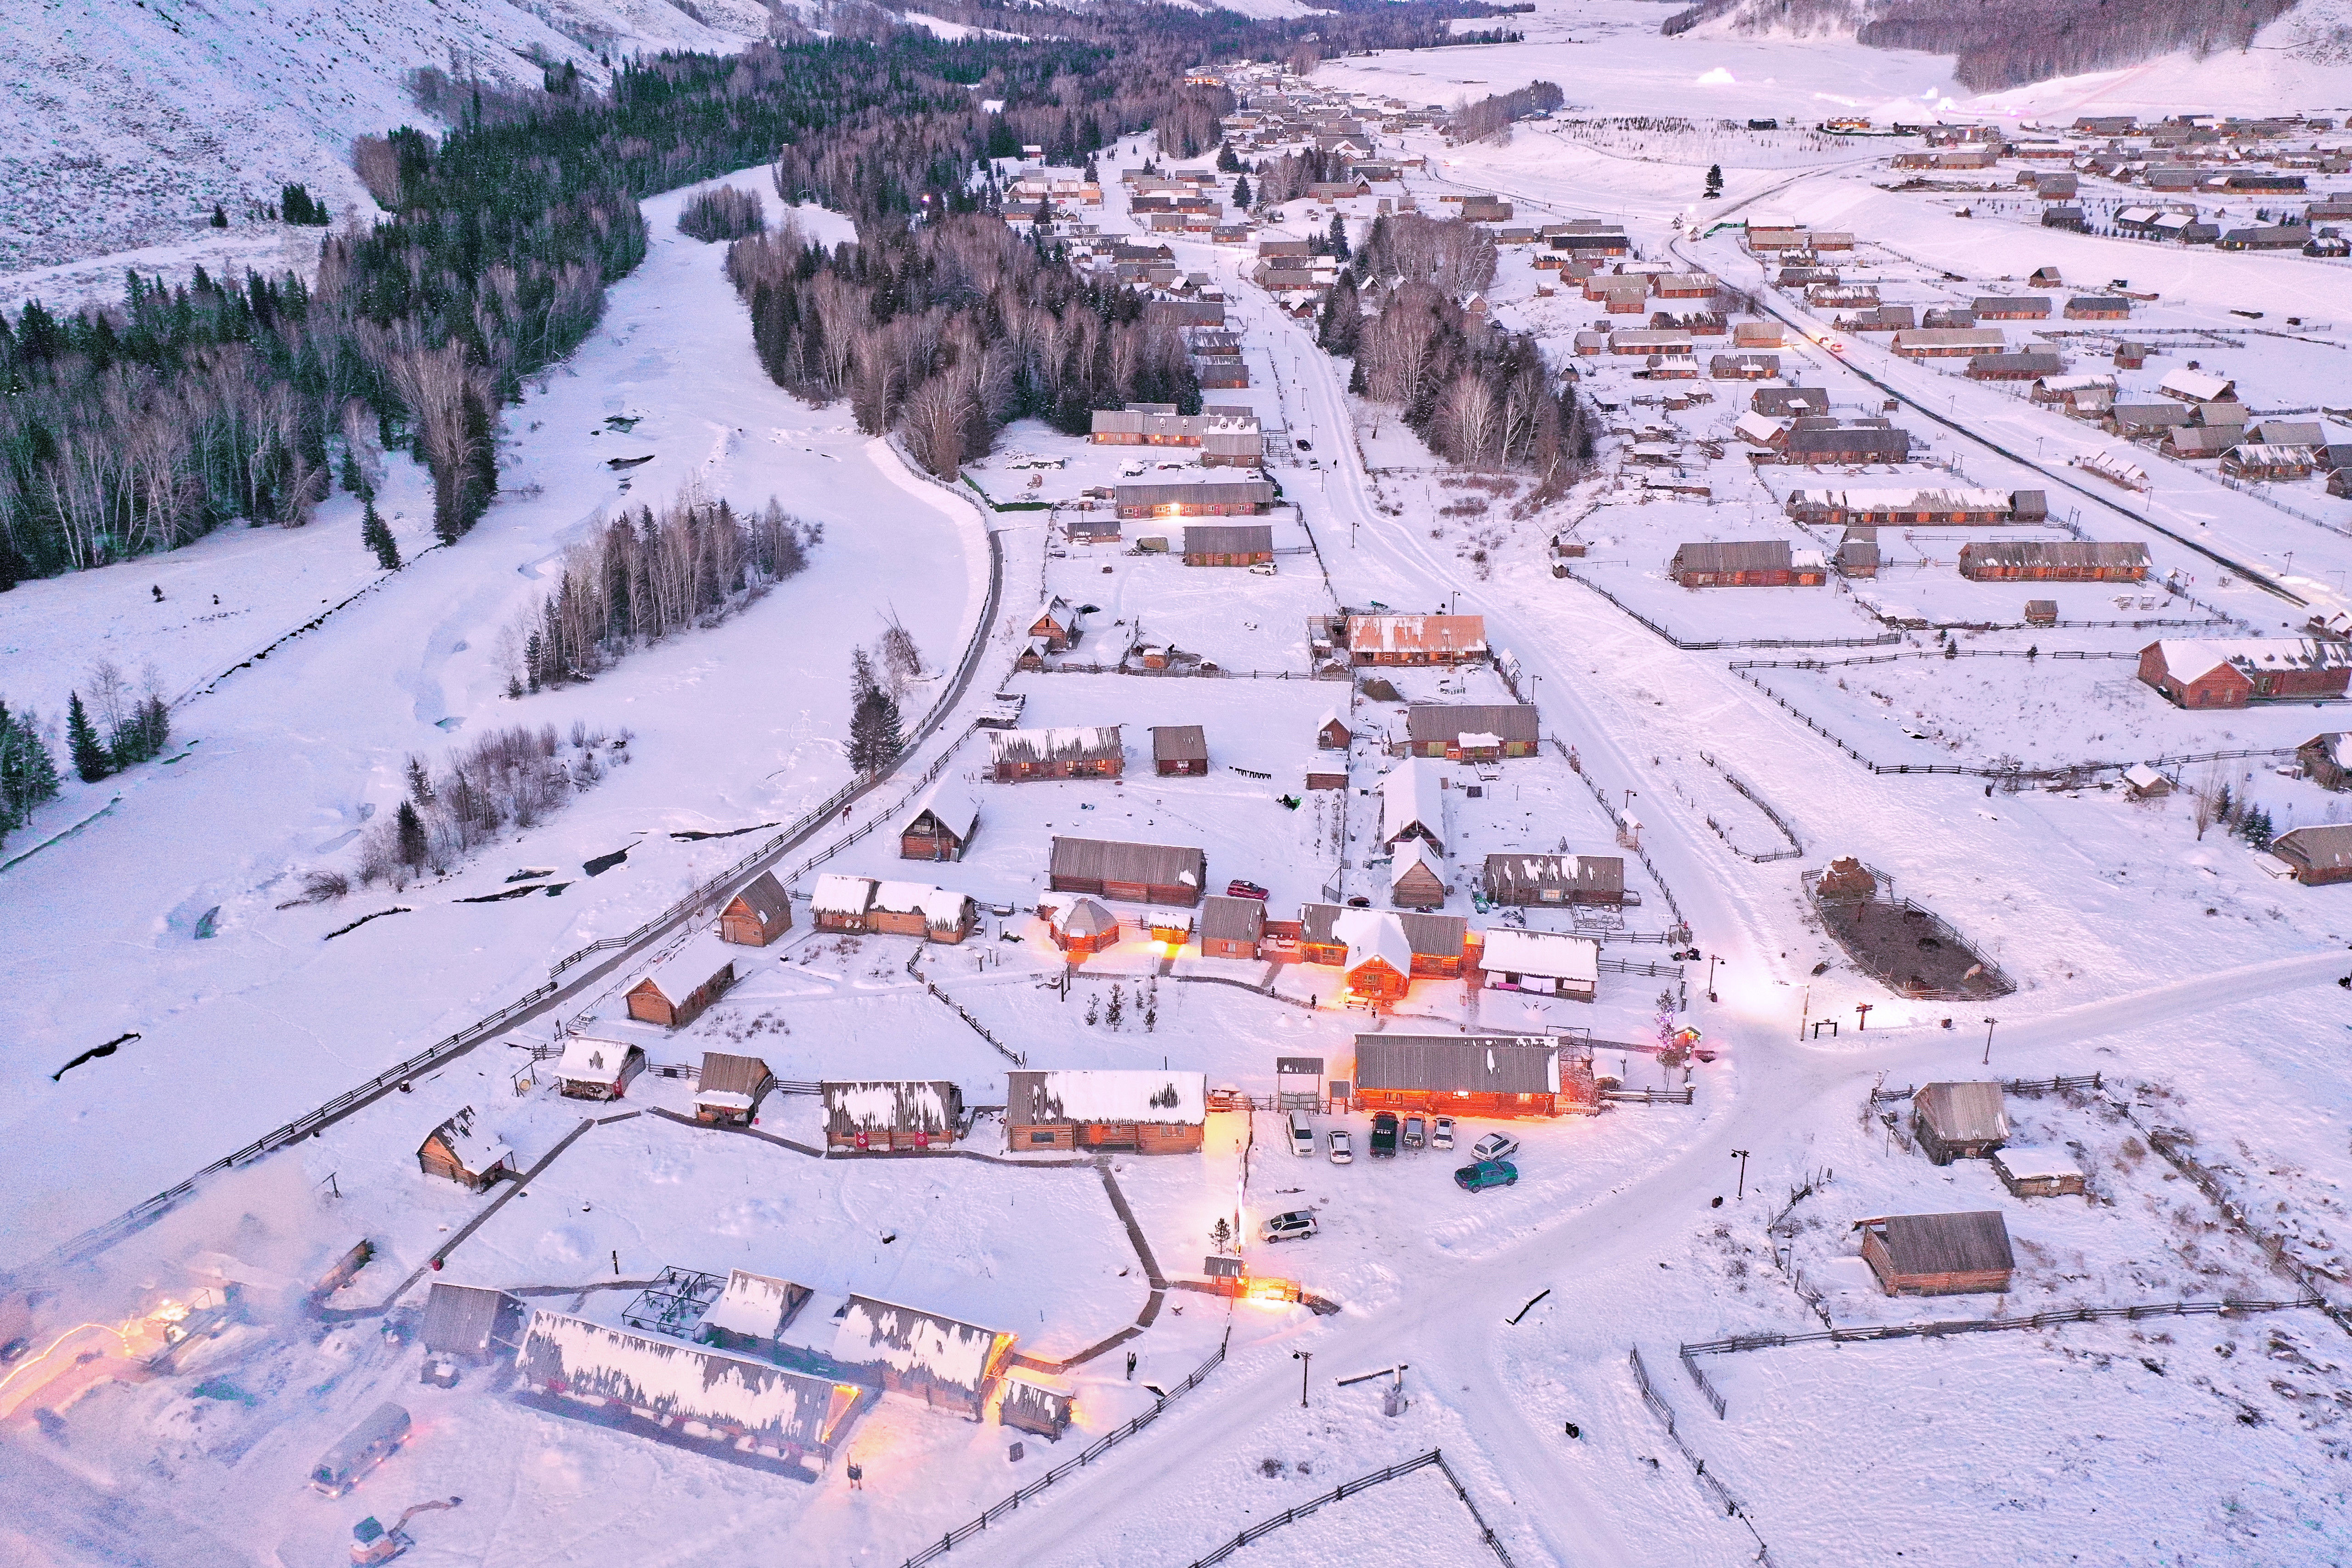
column 1362, row 1483
column 1100, row 1446
column 1712, row 1485
column 2009, row 1085
column 2057, row 1318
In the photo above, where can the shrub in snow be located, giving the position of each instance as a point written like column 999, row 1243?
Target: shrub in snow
column 515, row 776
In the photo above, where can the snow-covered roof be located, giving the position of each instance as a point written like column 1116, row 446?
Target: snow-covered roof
column 2035, row 1164
column 2139, row 776
column 938, row 906
column 1412, row 795
column 1756, row 428
column 902, row 1105
column 686, row 1382
column 1067, row 742
column 1374, row 933
column 1106, row 1094
column 587, row 1059
column 919, row 1346
column 1415, row 852
column 2083, row 382
column 2197, row 386
column 1547, row 954
column 949, row 800
column 2186, row 660
column 1947, row 499
column 1417, row 633
column 754, row 1305
column 839, row 894
column 476, row 1152
column 701, row 956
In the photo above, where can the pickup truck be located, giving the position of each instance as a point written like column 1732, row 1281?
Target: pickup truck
column 1384, row 1136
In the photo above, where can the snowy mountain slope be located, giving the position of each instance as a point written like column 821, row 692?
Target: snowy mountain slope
column 123, row 122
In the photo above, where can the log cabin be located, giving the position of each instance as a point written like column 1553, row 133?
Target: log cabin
column 1471, row 731
column 939, row 822
column 1382, row 639
column 1417, row 875
column 1151, row 1112
column 455, row 1151
column 1938, row 1254
column 1525, row 879
column 842, row 903
column 758, row 915
column 728, row 1091
column 676, row 990
column 1544, row 963
column 1132, row 873
column 1179, row 750
column 592, row 1068
column 1492, row 1075
column 1958, row 1120
column 920, row 910
column 2319, row 854
column 1033, row 1405
column 1231, row 928
column 892, row 1114
column 2232, row 674
column 1071, row 752
column 2038, row 1173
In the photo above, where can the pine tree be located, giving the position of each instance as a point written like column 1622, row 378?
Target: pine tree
column 1339, row 240
column 1715, row 180
column 352, row 480
column 89, row 759
column 377, row 535
column 413, row 848
column 874, row 740
column 420, row 782
column 1240, row 191
column 862, row 680
column 1226, row 163
column 28, row 774
column 220, row 216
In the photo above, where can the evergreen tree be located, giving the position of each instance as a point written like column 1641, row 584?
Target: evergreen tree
column 352, row 480
column 220, row 216
column 420, row 782
column 874, row 738
column 1092, row 176
column 142, row 734
column 89, row 759
column 862, row 682
column 413, row 848
column 1339, row 239
column 1715, row 179
column 28, row 774
column 1240, row 191
column 377, row 536
column 1226, row 163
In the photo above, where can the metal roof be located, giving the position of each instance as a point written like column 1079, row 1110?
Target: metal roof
column 1523, row 873
column 461, row 1319
column 1073, row 743
column 726, row 1074
column 903, row 1105
column 1734, row 555
column 1228, row 538
column 1430, row 936
column 2051, row 552
column 1921, row 1244
column 1449, row 721
column 1232, row 920
column 1111, row 860
column 1963, row 1112
column 1478, row 1064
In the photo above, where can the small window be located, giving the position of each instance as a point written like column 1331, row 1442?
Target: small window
column 1041, row 1138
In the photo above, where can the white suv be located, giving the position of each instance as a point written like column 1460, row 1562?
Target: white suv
column 1494, row 1146
column 1296, row 1226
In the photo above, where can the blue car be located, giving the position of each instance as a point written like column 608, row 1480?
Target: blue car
column 1486, row 1173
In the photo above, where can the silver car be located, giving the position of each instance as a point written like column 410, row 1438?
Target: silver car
column 1296, row 1226
column 1343, row 1149
column 1496, row 1146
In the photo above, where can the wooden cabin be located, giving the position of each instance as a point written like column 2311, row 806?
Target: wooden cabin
column 764, row 1414
column 1525, row 879
column 1332, row 734
column 678, row 988
column 843, row 903
column 758, row 915
column 1378, row 965
column 728, row 1091
column 1542, row 963
column 1958, row 1120
column 1132, row 873
column 1231, row 928
column 1748, row 563
column 2326, row 758
column 592, row 1068
column 1080, row 927
column 2318, row 854
column 751, row 1313
column 2053, row 560
column 1413, row 805
column 1384, row 639
column 457, row 1152
column 920, row 910
column 939, row 823
column 1228, row 544
column 1471, row 731
column 1473, row 1075
column 1075, row 751
column 1938, row 1254
column 1151, row 1112
column 2233, row 674
column 468, row 1324
column 1417, row 875
column 1057, row 628
column 2038, row 1173
column 1033, row 1405
column 892, row 1114
column 1439, row 943
column 1179, row 750
column 922, row 1355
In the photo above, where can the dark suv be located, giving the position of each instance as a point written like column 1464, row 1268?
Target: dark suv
column 1384, row 1136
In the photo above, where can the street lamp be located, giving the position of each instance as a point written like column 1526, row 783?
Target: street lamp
column 1303, row 1358
column 1988, row 1055
column 1712, row 960
column 1741, row 1156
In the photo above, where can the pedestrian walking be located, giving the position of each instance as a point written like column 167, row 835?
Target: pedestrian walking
column 857, row 1477
column 1130, row 1366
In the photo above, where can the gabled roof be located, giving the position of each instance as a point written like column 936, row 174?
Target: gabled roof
column 765, row 898
column 919, row 1346
column 838, row 893
column 1480, row 1064
column 1426, row 721
column 948, row 801
column 1417, row 633
column 1943, row 1242
column 1374, row 934
column 1178, row 742
column 1068, row 743
column 700, row 957
column 1106, row 1094
column 587, row 1059
column 686, row 1382
column 1548, row 953
column 1232, row 920
column 1519, row 871
column 731, row 1080
column 2322, row 846
column 911, row 1105
column 476, row 1152
column 1112, row 860
column 1412, row 795
column 1417, row 852
column 462, row 1319
column 1963, row 1112
column 756, row 1305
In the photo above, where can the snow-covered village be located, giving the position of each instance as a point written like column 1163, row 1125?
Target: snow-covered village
column 1135, row 785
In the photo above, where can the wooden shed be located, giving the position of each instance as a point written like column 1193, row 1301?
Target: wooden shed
column 1332, row 734
column 468, row 1322
column 1463, row 732
column 1135, row 873
column 1938, row 1254
column 1151, row 1112
column 1960, row 1120
column 892, row 1114
column 1179, row 750
column 2038, row 1173
column 1417, row 875
column 1073, row 751
column 1231, row 928
column 1525, row 879
column 920, row 910
column 1544, row 963
column 1228, row 544
column 728, row 1090
column 1058, row 625
column 1080, row 927
column 1472, row 1075
column 2318, row 854
column 592, row 1068
column 751, row 1312
column 1032, row 1404
column 947, row 1364
column 461, row 1155
column 758, row 915
column 678, row 988
column 939, row 823
column 842, row 903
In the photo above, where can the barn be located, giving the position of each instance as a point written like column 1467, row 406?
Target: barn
column 1523, row 879
column 1133, row 873
column 2053, row 560
column 1471, row 731
column 751, row 1312
column 892, row 1114
column 468, row 1322
column 1231, row 928
column 1033, row 1405
column 2024, row 365
column 1417, row 875
column 455, row 1151
column 728, row 1090
column 591, row 1069
column 1934, row 508
column 2319, row 854
column 939, row 823
column 1196, row 498
column 1378, row 964
column 1748, row 563
column 1179, row 750
column 920, row 910
column 1958, row 1120
column 1228, row 544
column 758, row 915
column 1413, row 805
column 745, row 1410
column 1473, row 1075
column 1381, row 639
column 1081, row 927
column 1545, row 962
column 1151, row 1112
column 1938, row 1254
column 1057, row 626
column 923, row 1355
column 842, row 903
column 1073, row 751
column 2038, row 1173
column 680, row 987
column 2232, row 674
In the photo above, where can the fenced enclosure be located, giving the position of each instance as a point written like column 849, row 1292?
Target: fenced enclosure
column 1905, row 946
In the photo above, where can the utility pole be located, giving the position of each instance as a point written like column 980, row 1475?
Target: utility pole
column 1712, row 960
column 1988, row 1055
column 1304, row 1359
column 1741, row 1156
column 1862, row 1010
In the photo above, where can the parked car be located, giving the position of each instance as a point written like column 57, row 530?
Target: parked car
column 1486, row 1173
column 1494, row 1146
column 1296, row 1226
column 1302, row 1136
column 1359, row 903
column 1384, row 1136
column 1263, row 569
column 1305, row 445
column 1343, row 1148
column 1441, row 1132
column 1416, row 1133
column 1238, row 889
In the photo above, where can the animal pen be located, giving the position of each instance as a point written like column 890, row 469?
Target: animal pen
column 1903, row 946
